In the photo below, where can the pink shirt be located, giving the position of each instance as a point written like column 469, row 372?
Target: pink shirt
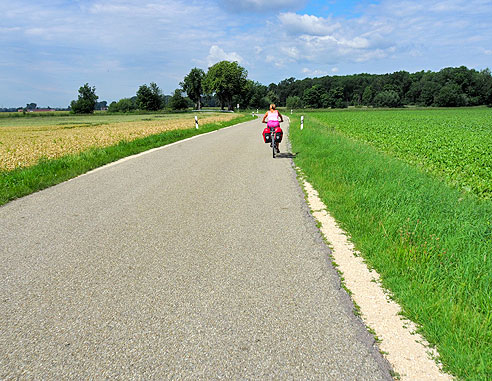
column 273, row 115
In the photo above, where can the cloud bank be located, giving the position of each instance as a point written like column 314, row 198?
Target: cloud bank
column 117, row 45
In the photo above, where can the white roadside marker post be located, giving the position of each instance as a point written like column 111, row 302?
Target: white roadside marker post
column 302, row 122
column 290, row 111
column 253, row 114
column 196, row 122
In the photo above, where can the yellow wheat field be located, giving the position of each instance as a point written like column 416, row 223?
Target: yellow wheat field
column 23, row 146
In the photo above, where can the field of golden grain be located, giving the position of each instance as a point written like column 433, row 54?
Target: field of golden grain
column 23, row 141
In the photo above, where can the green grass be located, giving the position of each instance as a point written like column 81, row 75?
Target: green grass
column 23, row 181
column 430, row 241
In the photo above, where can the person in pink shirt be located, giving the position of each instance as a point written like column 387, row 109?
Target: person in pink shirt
column 273, row 119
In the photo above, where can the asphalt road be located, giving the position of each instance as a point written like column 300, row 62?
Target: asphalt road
column 196, row 261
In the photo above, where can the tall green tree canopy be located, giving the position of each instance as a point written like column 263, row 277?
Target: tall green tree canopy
column 334, row 98
column 192, row 85
column 387, row 98
column 312, row 96
column 149, row 98
column 367, row 96
column 257, row 95
column 227, row 80
column 450, row 95
column 86, row 102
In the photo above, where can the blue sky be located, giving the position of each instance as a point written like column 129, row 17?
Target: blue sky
column 50, row 48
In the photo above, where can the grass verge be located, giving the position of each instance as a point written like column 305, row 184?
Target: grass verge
column 431, row 243
column 46, row 173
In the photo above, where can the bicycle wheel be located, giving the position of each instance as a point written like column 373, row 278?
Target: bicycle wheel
column 273, row 145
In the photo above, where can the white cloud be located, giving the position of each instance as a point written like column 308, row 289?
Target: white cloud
column 324, row 40
column 314, row 73
column 307, row 24
column 240, row 6
column 290, row 51
column 108, row 8
column 216, row 54
column 398, row 34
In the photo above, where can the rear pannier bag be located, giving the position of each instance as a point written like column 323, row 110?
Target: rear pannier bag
column 267, row 136
column 278, row 134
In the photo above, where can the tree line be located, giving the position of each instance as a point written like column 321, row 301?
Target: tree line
column 225, row 84
column 449, row 87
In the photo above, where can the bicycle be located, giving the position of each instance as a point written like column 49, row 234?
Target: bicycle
column 274, row 143
column 273, row 136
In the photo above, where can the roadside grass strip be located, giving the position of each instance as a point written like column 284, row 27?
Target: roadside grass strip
column 398, row 340
column 48, row 172
column 430, row 242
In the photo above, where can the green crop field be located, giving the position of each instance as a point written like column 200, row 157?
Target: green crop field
column 413, row 188
column 455, row 144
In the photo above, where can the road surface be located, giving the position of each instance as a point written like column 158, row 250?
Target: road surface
column 199, row 260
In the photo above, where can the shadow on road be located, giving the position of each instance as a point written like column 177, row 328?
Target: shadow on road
column 287, row 155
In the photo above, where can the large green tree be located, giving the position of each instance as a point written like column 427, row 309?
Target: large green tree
column 192, row 85
column 149, row 98
column 86, row 102
column 227, row 80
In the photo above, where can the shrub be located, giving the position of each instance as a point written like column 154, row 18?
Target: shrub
column 177, row 101
column 294, row 102
column 123, row 105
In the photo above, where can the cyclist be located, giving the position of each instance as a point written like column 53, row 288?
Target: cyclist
column 273, row 119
